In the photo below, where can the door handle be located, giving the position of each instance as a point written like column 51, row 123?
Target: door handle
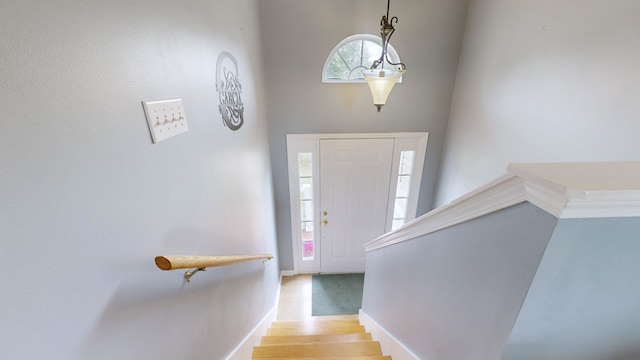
column 325, row 222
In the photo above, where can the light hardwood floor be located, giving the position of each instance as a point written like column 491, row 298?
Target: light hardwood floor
column 295, row 301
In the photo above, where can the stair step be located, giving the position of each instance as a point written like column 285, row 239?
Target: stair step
column 319, row 351
column 327, row 324
column 344, row 358
column 315, row 321
column 315, row 339
column 314, row 331
column 285, row 328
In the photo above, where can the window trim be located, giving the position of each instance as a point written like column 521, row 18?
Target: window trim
column 391, row 52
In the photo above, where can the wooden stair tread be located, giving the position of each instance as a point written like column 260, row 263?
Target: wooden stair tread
column 338, row 339
column 314, row 331
column 315, row 327
column 315, row 339
column 319, row 351
column 374, row 357
column 317, row 323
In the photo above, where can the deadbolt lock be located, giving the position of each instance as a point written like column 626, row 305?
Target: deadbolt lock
column 324, row 213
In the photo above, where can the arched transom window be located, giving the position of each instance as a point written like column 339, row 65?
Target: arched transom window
column 354, row 54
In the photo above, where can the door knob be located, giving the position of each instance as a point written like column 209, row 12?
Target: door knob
column 325, row 222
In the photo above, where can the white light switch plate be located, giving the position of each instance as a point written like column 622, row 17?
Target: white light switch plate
column 166, row 118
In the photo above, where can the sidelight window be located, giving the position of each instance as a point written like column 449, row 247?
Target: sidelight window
column 405, row 170
column 305, row 182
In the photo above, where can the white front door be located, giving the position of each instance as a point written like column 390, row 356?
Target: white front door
column 354, row 193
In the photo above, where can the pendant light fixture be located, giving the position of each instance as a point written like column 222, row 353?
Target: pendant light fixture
column 382, row 80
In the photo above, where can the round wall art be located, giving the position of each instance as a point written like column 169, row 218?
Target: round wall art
column 229, row 89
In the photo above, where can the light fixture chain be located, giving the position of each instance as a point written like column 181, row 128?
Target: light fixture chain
column 382, row 81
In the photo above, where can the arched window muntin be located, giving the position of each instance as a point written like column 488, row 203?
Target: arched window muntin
column 354, row 54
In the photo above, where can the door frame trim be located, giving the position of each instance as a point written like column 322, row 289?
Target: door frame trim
column 297, row 143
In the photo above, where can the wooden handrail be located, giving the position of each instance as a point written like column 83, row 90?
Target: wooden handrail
column 172, row 262
column 201, row 263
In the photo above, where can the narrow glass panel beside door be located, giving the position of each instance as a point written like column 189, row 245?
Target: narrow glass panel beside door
column 305, row 181
column 402, row 189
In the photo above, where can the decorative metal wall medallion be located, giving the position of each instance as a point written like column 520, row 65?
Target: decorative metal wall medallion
column 229, row 89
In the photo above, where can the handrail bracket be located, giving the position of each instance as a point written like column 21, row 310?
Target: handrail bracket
column 189, row 273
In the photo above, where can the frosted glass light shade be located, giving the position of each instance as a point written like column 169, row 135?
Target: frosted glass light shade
column 381, row 81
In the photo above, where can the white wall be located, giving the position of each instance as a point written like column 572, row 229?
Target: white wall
column 542, row 81
column 459, row 299
column 87, row 200
column 298, row 37
column 583, row 301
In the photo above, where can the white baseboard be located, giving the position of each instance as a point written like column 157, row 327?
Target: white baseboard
column 244, row 350
column 275, row 307
column 287, row 273
column 389, row 344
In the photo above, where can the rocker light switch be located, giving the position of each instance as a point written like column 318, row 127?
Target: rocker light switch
column 165, row 118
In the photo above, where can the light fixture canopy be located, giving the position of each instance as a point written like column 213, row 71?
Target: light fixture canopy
column 382, row 80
